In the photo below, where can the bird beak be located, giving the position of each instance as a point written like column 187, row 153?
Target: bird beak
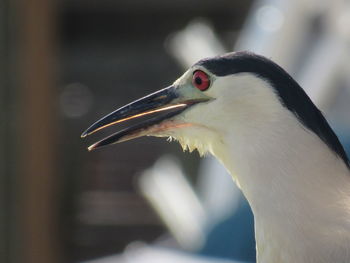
column 173, row 100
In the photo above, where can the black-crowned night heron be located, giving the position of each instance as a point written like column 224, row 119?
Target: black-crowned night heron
column 253, row 117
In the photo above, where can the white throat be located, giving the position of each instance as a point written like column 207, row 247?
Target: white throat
column 299, row 191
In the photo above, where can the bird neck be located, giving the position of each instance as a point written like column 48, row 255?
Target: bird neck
column 298, row 189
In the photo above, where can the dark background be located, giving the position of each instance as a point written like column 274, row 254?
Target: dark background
column 63, row 65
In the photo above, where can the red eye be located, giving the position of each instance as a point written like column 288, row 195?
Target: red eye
column 200, row 80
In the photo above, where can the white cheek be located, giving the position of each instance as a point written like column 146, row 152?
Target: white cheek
column 240, row 100
column 243, row 105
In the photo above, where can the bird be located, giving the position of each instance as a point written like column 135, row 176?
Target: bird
column 251, row 115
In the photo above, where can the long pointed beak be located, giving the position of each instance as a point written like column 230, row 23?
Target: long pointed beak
column 168, row 99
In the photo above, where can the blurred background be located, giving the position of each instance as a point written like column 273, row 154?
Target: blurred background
column 64, row 64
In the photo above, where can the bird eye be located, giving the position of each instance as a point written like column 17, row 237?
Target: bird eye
column 200, row 80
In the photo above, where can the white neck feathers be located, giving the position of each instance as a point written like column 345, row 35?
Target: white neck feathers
column 299, row 191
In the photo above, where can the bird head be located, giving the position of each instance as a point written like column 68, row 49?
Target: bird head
column 250, row 114
column 217, row 98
